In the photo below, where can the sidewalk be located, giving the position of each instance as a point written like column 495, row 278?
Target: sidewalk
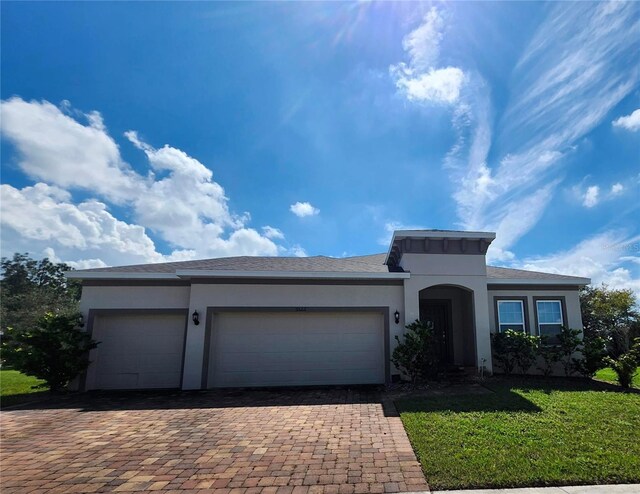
column 578, row 489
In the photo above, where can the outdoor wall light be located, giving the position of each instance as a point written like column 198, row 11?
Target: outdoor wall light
column 195, row 317
column 396, row 314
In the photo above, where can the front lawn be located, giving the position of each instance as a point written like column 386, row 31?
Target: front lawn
column 532, row 432
column 609, row 375
column 16, row 387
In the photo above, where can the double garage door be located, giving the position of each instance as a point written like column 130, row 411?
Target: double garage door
column 296, row 348
column 243, row 349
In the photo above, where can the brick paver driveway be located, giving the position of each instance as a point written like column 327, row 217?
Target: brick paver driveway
column 324, row 441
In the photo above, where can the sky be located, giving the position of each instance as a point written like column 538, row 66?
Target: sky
column 150, row 132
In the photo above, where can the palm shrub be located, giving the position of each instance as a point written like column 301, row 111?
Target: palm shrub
column 417, row 355
column 55, row 349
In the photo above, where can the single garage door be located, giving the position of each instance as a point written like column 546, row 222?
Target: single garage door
column 139, row 351
column 296, row 348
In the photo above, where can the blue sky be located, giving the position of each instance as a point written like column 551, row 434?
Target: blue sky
column 139, row 132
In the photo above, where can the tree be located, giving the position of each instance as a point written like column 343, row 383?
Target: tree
column 54, row 349
column 610, row 314
column 32, row 288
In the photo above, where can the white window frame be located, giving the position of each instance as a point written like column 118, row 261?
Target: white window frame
column 500, row 324
column 548, row 323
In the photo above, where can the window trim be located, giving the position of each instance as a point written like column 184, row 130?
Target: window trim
column 525, row 312
column 550, row 298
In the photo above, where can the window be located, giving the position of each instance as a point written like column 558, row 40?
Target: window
column 550, row 319
column 510, row 315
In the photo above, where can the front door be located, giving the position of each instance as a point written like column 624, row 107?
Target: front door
column 438, row 312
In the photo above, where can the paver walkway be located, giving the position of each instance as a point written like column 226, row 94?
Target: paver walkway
column 298, row 441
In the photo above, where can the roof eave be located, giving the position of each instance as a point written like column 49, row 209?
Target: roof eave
column 197, row 273
column 539, row 281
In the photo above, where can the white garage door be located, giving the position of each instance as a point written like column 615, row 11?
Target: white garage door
column 138, row 351
column 296, row 348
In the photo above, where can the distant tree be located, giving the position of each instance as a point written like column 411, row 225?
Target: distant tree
column 610, row 314
column 29, row 289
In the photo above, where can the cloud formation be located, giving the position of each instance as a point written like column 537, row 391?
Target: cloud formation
column 563, row 86
column 421, row 79
column 178, row 200
column 629, row 122
column 303, row 209
column 590, row 198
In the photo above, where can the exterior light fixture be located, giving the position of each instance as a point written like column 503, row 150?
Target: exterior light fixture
column 195, row 317
column 397, row 317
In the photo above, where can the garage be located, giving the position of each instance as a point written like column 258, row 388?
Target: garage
column 291, row 348
column 138, row 351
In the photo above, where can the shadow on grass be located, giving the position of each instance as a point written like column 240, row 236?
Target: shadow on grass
column 509, row 395
column 550, row 384
column 491, row 402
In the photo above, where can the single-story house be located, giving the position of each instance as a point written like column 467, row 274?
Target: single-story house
column 273, row 321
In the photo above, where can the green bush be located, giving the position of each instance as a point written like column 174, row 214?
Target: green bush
column 626, row 365
column 417, row 355
column 569, row 342
column 55, row 349
column 549, row 354
column 594, row 351
column 513, row 349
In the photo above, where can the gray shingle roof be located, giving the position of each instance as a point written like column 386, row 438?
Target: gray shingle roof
column 319, row 264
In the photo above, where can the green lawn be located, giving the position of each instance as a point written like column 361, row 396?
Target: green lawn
column 609, row 375
column 527, row 433
column 16, row 387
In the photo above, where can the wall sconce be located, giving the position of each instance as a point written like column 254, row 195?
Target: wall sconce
column 396, row 315
column 195, row 317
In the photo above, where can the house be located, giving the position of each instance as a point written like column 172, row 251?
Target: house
column 271, row 321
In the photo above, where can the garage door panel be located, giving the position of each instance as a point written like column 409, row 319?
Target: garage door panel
column 275, row 349
column 139, row 351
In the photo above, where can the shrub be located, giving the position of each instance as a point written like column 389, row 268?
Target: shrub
column 514, row 348
column 569, row 342
column 417, row 355
column 549, row 354
column 594, row 351
column 55, row 349
column 626, row 365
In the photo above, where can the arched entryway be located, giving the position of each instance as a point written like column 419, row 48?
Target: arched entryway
column 450, row 309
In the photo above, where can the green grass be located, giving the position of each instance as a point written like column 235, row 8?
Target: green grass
column 527, row 433
column 608, row 374
column 16, row 387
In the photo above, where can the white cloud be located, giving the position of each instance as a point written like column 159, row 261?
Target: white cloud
column 272, row 233
column 629, row 122
column 421, row 80
column 297, row 251
column 603, row 257
column 590, row 197
column 62, row 151
column 44, row 217
column 617, row 188
column 436, row 85
column 423, row 43
column 178, row 199
column 566, row 82
column 302, row 209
